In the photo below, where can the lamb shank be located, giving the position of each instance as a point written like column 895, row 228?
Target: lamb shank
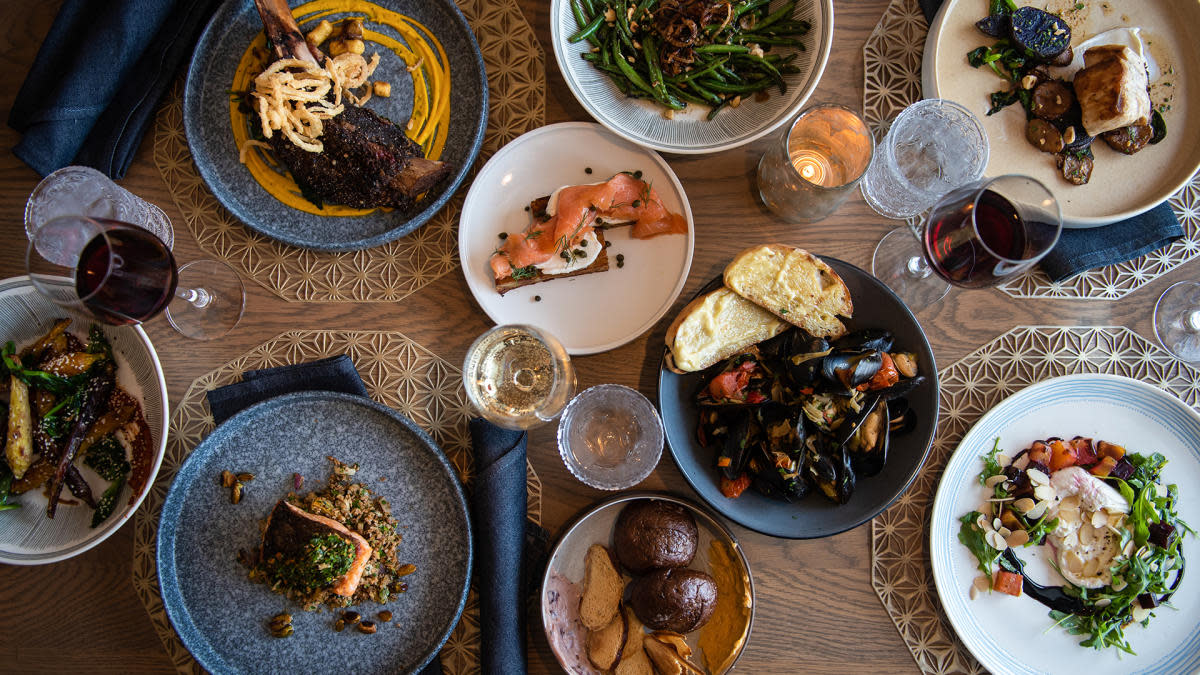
column 368, row 161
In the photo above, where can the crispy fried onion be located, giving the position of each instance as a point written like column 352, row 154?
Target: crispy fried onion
column 293, row 96
column 680, row 24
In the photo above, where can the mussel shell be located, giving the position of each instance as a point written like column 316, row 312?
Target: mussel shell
column 902, row 419
column 846, row 370
column 868, row 460
column 770, row 416
column 742, row 436
column 828, row 467
column 874, row 339
column 902, row 388
column 770, row 481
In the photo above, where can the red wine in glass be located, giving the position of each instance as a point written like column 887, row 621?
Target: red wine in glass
column 125, row 275
column 981, row 251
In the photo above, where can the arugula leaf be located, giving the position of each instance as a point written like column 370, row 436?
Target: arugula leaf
column 971, row 536
column 991, row 466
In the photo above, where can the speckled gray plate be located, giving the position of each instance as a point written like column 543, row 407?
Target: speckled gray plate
column 210, row 138
column 221, row 616
column 875, row 306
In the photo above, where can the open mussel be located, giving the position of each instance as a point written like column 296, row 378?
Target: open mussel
column 829, row 468
column 867, row 447
column 776, row 463
column 846, row 370
column 902, row 419
column 745, row 380
column 867, row 339
column 742, row 435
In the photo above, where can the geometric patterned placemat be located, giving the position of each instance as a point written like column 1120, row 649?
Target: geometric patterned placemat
column 892, row 81
column 398, row 373
column 516, row 75
column 900, row 571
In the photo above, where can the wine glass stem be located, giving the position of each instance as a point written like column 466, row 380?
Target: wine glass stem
column 918, row 268
column 198, row 297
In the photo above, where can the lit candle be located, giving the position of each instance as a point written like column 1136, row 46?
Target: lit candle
column 812, row 165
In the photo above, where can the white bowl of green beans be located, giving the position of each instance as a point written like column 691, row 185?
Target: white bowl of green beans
column 692, row 76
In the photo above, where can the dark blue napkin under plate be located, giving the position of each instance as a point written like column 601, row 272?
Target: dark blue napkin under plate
column 92, row 90
column 1080, row 250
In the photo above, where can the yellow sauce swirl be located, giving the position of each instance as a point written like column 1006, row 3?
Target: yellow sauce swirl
column 431, row 92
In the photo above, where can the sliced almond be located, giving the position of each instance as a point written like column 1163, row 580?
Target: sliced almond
column 1087, row 534
column 1104, row 602
column 1091, row 567
column 1119, row 584
column 1074, row 562
column 1004, row 532
column 982, row 522
column 1068, row 517
column 1018, row 538
column 1037, row 477
column 1003, row 460
column 995, row 540
column 1038, row 510
column 1099, row 519
column 1024, row 505
column 993, row 481
column 981, row 583
column 1044, row 492
column 1140, row 613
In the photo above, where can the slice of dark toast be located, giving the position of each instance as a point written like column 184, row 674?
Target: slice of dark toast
column 600, row 264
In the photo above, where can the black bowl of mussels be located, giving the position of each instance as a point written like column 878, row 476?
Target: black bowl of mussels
column 802, row 437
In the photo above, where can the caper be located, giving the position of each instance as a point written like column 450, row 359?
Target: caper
column 245, row 477
column 366, row 627
column 226, row 479
column 385, row 616
column 236, row 495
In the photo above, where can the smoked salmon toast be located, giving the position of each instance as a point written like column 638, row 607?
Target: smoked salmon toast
column 565, row 237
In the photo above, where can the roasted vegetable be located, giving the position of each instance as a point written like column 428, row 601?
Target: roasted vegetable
column 18, row 449
column 95, row 398
column 1041, row 34
column 107, row 458
column 108, row 502
column 34, row 378
column 6, row 481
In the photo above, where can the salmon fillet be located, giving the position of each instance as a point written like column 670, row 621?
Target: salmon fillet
column 290, row 528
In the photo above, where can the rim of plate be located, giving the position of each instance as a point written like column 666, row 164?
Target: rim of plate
column 159, row 452
column 943, row 497
column 821, row 60
column 929, row 89
column 476, row 192
column 698, row 509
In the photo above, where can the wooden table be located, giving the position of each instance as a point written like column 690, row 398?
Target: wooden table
column 816, row 612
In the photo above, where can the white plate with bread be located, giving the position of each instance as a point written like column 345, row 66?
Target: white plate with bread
column 604, row 303
column 765, row 291
column 607, row 598
column 1120, row 186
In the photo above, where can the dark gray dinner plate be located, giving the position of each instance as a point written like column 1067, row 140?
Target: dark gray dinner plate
column 221, row 616
column 210, row 138
column 875, row 306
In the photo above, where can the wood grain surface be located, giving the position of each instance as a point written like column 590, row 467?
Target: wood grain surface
column 816, row 611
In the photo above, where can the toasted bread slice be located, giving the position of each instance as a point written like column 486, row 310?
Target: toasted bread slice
column 794, row 285
column 602, row 589
column 715, row 326
column 633, row 657
column 605, row 646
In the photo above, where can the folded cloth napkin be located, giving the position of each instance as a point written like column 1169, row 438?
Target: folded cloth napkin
column 336, row 373
column 510, row 551
column 1080, row 250
column 91, row 92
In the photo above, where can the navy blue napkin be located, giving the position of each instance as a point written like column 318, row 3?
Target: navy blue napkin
column 1082, row 250
column 91, row 92
column 510, row 550
column 336, row 373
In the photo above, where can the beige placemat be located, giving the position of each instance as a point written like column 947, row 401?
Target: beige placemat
column 516, row 72
column 892, row 80
column 398, row 373
column 900, row 570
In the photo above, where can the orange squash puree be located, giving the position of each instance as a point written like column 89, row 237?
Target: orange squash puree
column 431, row 92
column 722, row 637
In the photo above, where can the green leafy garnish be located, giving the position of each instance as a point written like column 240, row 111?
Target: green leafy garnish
column 108, row 502
column 971, row 536
column 526, row 272
column 107, row 458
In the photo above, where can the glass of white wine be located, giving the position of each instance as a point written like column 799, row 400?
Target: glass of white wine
column 518, row 376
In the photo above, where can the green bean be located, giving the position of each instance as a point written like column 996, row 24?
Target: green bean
column 580, row 19
column 587, row 31
column 699, row 72
column 748, row 6
column 722, row 49
column 683, row 95
column 700, row 89
column 764, row 65
column 769, row 40
column 622, row 23
column 589, row 9
column 785, row 10
column 713, row 113
column 628, row 71
column 758, row 85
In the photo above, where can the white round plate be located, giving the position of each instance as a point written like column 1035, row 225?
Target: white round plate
column 1121, row 187
column 27, row 537
column 690, row 131
column 1016, row 635
column 563, row 579
column 589, row 313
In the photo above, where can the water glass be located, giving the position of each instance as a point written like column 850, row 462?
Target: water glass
column 610, row 437
column 811, row 170
column 932, row 147
column 84, row 191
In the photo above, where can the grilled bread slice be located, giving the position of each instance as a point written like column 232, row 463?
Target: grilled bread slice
column 794, row 285
column 715, row 326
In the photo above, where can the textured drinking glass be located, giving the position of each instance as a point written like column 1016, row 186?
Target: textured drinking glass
column 816, row 164
column 84, row 191
column 518, row 376
column 932, row 147
column 610, row 437
column 1177, row 320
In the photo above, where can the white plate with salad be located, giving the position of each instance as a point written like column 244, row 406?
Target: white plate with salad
column 1020, row 634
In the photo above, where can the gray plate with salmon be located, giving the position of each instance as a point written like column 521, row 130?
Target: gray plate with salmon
column 223, row 617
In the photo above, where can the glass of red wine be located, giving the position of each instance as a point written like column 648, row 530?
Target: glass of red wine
column 122, row 274
column 978, row 235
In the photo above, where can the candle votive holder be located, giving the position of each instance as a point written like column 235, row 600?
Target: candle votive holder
column 811, row 170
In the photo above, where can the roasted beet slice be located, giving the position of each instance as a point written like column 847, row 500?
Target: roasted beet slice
column 996, row 25
column 1122, row 470
column 1161, row 534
